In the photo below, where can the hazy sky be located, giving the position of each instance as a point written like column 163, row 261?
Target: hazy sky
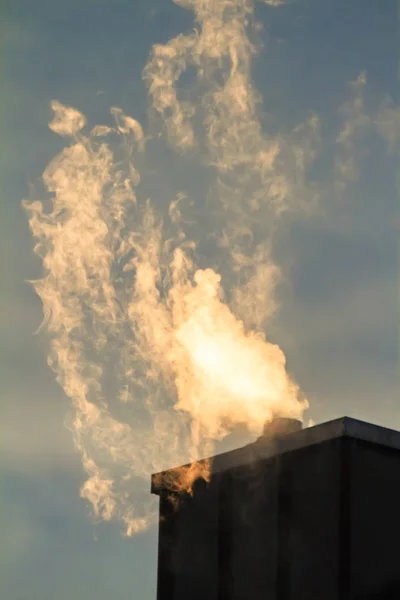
column 338, row 316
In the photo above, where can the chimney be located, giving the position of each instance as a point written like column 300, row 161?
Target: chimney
column 279, row 427
column 300, row 514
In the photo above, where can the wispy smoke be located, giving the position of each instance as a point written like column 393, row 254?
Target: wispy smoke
column 355, row 125
column 159, row 357
column 257, row 176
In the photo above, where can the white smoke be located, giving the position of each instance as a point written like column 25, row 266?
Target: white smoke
column 159, row 357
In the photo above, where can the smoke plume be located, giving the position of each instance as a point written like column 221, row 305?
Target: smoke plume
column 161, row 353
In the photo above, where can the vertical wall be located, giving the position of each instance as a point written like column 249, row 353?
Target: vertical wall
column 309, row 523
column 375, row 521
column 253, row 552
column 188, row 546
column 285, row 512
column 319, row 522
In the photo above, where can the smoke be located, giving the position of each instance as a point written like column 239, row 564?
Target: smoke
column 162, row 358
column 355, row 124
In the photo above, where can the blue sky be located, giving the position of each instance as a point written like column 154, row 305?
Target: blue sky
column 338, row 316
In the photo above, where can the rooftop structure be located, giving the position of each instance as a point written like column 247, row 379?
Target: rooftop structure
column 299, row 514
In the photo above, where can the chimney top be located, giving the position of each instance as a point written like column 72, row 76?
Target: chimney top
column 289, row 435
column 279, row 427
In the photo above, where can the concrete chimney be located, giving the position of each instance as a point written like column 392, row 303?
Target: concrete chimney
column 300, row 514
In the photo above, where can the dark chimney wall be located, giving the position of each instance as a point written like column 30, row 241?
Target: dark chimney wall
column 254, row 501
column 374, row 521
column 318, row 521
column 188, row 562
column 285, row 539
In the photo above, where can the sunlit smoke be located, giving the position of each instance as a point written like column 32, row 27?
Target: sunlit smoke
column 160, row 356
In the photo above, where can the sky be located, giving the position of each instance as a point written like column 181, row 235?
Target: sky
column 337, row 318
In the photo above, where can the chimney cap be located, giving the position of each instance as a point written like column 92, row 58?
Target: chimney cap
column 281, row 426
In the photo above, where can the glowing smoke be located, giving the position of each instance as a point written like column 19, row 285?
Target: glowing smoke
column 157, row 356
